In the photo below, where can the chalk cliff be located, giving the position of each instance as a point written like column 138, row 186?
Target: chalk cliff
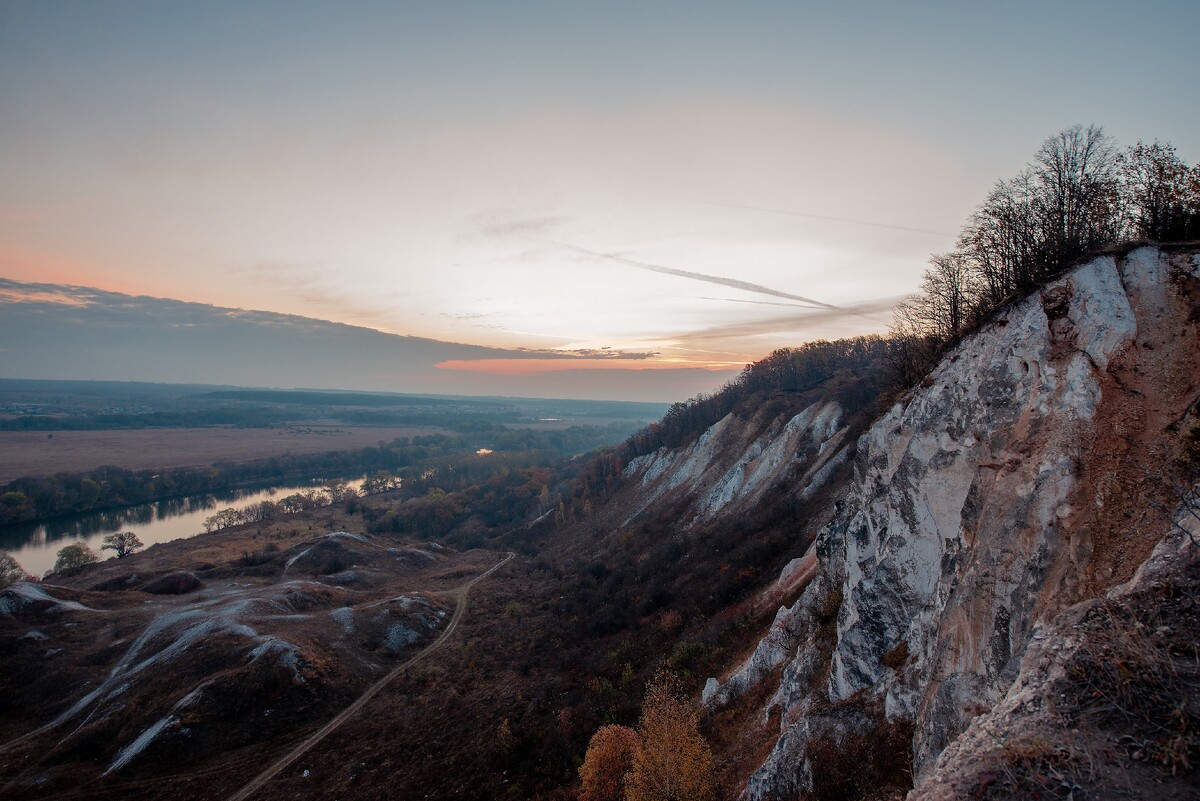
column 1030, row 471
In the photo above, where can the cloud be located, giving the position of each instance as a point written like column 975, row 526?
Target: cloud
column 755, row 302
column 733, row 283
column 520, row 226
column 512, row 367
column 822, row 318
column 12, row 292
column 55, row 331
column 590, row 353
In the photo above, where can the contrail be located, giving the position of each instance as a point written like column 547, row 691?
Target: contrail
column 759, row 302
column 711, row 279
column 826, row 217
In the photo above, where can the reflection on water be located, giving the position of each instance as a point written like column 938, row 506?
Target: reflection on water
column 35, row 546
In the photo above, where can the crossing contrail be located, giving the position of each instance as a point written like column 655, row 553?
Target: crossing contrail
column 711, row 279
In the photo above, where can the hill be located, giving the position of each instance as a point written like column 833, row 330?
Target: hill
column 977, row 587
column 868, row 591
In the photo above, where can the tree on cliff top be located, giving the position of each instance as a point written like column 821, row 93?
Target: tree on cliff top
column 10, row 571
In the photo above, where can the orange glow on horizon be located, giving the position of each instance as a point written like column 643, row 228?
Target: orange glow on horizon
column 39, row 267
column 519, row 367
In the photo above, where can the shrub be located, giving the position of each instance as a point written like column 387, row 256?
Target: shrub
column 609, row 758
column 10, row 571
column 74, row 558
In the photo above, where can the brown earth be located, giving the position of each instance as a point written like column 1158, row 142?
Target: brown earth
column 43, row 453
column 250, row 710
column 1130, row 478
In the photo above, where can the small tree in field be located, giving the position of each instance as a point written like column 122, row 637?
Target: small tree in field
column 609, row 757
column 124, row 543
column 673, row 762
column 73, row 558
column 10, row 571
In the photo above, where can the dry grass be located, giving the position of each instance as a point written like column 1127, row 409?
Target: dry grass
column 1138, row 677
column 251, row 710
column 36, row 453
column 1036, row 768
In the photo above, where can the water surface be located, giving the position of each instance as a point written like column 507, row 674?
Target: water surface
column 36, row 546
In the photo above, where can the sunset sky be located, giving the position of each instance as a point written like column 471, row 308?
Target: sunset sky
column 700, row 181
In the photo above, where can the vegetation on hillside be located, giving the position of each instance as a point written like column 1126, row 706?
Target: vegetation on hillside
column 566, row 650
column 1079, row 195
column 411, row 458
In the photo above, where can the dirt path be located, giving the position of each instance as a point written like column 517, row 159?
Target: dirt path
column 276, row 767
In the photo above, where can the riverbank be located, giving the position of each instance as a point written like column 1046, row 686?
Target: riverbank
column 35, row 545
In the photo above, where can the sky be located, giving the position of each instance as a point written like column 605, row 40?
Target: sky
column 698, row 182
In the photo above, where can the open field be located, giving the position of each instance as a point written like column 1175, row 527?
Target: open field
column 36, row 453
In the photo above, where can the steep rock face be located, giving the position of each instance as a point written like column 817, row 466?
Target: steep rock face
column 730, row 466
column 982, row 503
column 1084, row 672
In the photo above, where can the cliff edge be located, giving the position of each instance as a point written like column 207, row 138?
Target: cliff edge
column 1035, row 469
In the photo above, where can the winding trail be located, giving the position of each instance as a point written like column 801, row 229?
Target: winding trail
column 460, row 608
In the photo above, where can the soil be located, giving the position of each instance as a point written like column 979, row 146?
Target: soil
column 1128, row 487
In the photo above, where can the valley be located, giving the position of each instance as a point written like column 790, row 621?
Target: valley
column 546, row 401
column 806, row 503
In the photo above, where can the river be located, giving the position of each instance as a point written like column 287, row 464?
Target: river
column 36, row 546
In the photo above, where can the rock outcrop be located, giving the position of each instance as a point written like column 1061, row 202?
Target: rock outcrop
column 731, row 465
column 1021, row 477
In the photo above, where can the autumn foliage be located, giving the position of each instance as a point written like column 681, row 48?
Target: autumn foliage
column 667, row 758
column 609, row 757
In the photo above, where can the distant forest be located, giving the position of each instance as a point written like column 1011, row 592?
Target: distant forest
column 435, row 461
column 38, row 405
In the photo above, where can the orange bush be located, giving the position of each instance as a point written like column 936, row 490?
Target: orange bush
column 609, row 757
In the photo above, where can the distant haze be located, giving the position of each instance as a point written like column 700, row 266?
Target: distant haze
column 61, row 332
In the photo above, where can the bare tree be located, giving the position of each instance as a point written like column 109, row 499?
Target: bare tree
column 948, row 294
column 1077, row 198
column 1002, row 240
column 1078, row 195
column 10, row 571
column 1160, row 195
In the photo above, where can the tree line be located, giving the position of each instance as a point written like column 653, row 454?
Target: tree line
column 332, row 492
column 42, row 498
column 32, row 499
column 854, row 371
column 1080, row 194
column 858, row 361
